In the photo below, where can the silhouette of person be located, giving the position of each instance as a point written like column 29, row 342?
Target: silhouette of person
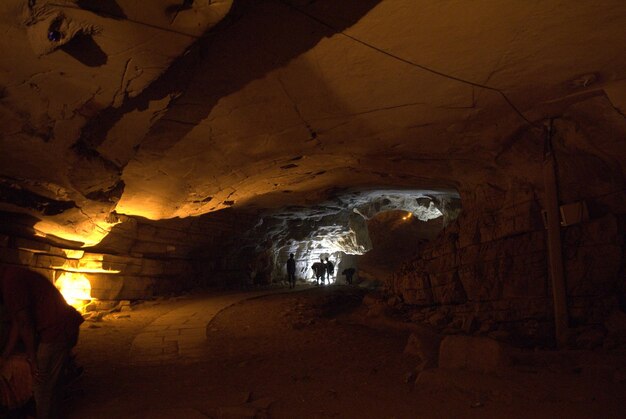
column 323, row 268
column 330, row 269
column 46, row 325
column 318, row 269
column 349, row 272
column 291, row 271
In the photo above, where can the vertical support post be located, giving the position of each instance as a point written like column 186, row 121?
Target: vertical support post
column 555, row 250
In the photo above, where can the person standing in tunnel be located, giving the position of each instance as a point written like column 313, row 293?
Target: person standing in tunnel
column 318, row 269
column 323, row 270
column 349, row 273
column 291, row 271
column 330, row 269
column 48, row 328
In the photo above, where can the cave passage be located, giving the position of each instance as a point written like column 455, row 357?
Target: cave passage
column 449, row 176
column 232, row 355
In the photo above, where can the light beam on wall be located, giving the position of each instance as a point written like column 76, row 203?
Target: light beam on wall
column 73, row 282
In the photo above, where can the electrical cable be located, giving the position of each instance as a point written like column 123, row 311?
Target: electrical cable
column 409, row 62
column 353, row 38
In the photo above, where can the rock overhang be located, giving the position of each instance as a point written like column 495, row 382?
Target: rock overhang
column 340, row 224
column 174, row 125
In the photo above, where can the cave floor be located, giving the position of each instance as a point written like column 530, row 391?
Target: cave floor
column 282, row 354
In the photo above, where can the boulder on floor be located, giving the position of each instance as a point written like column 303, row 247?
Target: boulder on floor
column 425, row 347
column 471, row 353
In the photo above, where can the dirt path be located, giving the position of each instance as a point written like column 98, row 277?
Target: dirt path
column 299, row 356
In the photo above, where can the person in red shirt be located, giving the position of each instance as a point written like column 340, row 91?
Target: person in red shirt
column 48, row 328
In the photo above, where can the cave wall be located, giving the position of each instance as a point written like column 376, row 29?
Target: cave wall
column 395, row 237
column 112, row 276
column 488, row 270
column 184, row 115
column 202, row 251
column 138, row 259
column 499, row 281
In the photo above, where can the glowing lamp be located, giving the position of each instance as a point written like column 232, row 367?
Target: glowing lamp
column 75, row 288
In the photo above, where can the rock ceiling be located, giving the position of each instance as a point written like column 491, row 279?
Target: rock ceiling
column 173, row 108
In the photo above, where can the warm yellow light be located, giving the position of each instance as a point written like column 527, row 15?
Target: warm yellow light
column 81, row 262
column 75, row 288
column 73, row 254
column 88, row 232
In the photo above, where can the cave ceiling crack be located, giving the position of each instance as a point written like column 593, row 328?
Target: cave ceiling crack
column 29, row 80
column 134, row 47
column 373, row 110
column 82, row 104
column 296, row 108
column 129, row 20
column 617, row 109
column 472, row 105
column 125, row 84
column 178, row 121
column 273, row 133
column 93, row 223
column 407, row 61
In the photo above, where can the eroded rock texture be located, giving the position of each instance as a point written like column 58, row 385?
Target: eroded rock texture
column 259, row 128
column 490, row 265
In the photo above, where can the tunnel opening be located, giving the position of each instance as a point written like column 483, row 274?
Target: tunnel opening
column 396, row 236
column 341, row 230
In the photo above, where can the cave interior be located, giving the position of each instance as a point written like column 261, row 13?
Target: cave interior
column 467, row 159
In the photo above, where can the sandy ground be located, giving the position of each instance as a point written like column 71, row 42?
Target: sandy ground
column 303, row 355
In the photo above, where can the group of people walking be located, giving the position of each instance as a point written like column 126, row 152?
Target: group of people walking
column 323, row 270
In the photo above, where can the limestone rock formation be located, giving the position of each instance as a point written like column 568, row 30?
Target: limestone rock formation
column 223, row 135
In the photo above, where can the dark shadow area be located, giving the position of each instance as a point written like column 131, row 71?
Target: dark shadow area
column 17, row 224
column 22, row 225
column 175, row 8
column 396, row 237
column 255, row 38
column 104, row 8
column 30, row 200
column 332, row 302
column 84, row 49
column 112, row 194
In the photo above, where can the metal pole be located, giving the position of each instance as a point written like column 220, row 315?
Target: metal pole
column 555, row 251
